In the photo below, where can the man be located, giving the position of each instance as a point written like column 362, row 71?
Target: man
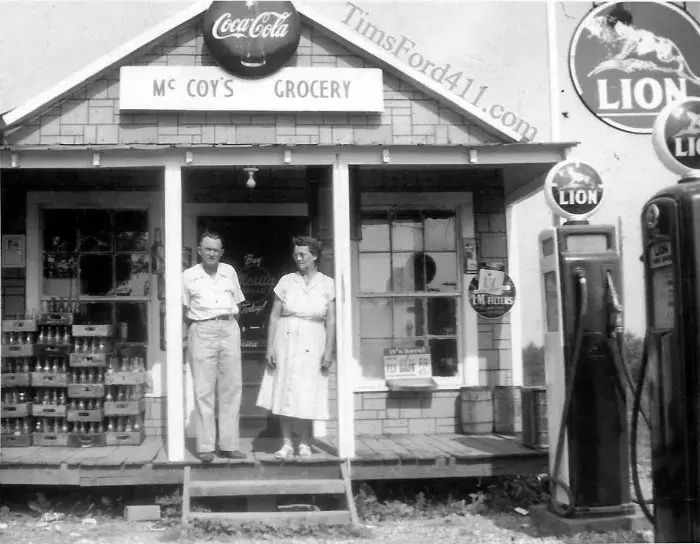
column 211, row 294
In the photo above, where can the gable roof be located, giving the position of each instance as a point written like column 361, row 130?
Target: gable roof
column 339, row 32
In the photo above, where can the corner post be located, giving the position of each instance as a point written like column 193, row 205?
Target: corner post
column 343, row 261
column 173, row 311
column 516, row 332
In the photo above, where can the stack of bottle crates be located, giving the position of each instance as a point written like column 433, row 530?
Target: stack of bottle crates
column 124, row 405
column 92, row 345
column 18, row 357
column 49, row 377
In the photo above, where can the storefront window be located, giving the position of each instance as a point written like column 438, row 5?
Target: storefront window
column 96, row 263
column 408, row 287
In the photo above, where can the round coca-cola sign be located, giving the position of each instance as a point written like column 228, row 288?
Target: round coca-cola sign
column 252, row 39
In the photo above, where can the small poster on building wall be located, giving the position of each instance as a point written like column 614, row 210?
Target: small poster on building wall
column 407, row 363
column 469, row 255
column 13, row 252
column 491, row 291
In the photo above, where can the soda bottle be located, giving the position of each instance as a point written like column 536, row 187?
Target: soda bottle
column 253, row 48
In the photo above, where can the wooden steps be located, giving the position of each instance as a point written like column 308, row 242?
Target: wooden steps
column 262, row 498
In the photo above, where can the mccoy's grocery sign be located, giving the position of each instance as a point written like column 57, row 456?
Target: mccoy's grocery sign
column 210, row 88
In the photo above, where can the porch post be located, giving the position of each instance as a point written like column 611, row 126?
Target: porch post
column 343, row 296
column 173, row 312
column 515, row 313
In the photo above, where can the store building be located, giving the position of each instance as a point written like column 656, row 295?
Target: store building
column 409, row 187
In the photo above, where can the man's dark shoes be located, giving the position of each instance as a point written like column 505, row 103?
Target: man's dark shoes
column 228, row 454
column 206, row 456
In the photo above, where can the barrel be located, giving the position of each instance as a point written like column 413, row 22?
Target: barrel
column 507, row 412
column 534, row 416
column 476, row 409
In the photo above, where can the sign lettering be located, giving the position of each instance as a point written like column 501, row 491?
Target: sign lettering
column 628, row 60
column 209, row 88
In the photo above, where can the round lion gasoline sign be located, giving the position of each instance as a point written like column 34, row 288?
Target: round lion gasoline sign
column 252, row 39
column 573, row 189
column 628, row 60
column 676, row 137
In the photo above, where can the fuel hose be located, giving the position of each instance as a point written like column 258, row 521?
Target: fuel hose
column 636, row 410
column 566, row 510
column 616, row 343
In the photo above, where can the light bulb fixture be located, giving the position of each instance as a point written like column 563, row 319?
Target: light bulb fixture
column 14, row 160
column 250, row 182
column 386, row 156
column 189, row 157
column 96, row 160
column 473, row 157
column 287, row 156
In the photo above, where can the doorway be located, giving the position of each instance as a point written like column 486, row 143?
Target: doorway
column 260, row 250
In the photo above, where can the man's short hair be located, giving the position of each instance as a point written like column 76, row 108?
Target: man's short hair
column 211, row 233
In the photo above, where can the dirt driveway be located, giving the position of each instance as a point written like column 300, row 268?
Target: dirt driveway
column 479, row 528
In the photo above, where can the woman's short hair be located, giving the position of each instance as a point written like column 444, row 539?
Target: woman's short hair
column 315, row 246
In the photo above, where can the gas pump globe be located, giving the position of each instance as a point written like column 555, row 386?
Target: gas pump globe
column 586, row 394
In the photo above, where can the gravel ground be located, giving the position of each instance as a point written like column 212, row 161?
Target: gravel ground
column 483, row 528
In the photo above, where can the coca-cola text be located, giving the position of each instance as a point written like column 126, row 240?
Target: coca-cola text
column 269, row 24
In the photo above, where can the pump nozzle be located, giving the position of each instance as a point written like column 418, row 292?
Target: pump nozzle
column 615, row 329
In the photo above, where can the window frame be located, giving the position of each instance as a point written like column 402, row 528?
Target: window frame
column 454, row 202
column 149, row 201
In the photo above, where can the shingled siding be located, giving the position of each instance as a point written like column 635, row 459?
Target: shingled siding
column 495, row 355
column 90, row 116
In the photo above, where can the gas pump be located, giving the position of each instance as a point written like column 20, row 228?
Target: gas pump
column 671, row 245
column 586, row 395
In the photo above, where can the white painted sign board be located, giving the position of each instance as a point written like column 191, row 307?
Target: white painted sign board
column 210, row 88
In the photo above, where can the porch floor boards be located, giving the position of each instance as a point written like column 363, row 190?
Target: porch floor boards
column 377, row 457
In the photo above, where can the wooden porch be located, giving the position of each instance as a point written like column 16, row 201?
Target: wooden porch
column 377, row 458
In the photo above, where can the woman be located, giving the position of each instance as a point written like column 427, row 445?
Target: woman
column 299, row 348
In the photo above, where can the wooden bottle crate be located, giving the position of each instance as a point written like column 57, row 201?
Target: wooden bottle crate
column 52, row 350
column 19, row 350
column 49, row 379
column 19, row 325
column 132, row 377
column 86, row 440
column 132, row 438
column 92, row 330
column 86, row 390
column 15, row 441
column 49, row 410
column 51, row 439
column 23, row 409
column 84, row 415
column 88, row 359
column 56, row 319
column 124, row 407
column 15, row 379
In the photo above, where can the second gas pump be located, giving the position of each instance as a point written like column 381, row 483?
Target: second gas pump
column 585, row 375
